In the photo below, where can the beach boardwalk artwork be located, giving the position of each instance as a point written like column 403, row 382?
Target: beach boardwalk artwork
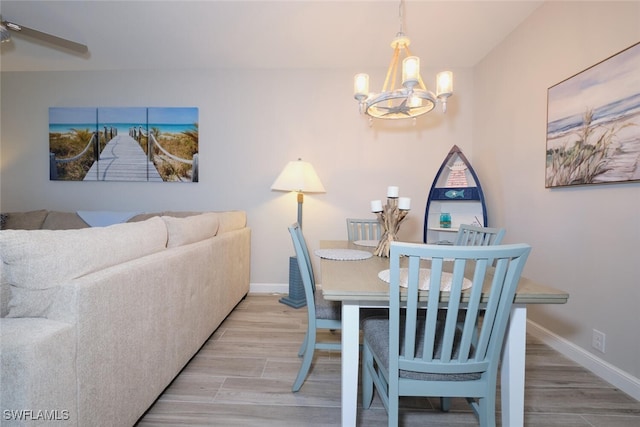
column 123, row 144
column 593, row 124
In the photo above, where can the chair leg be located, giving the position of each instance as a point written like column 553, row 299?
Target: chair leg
column 367, row 379
column 487, row 411
column 303, row 346
column 393, row 411
column 445, row 404
column 310, row 341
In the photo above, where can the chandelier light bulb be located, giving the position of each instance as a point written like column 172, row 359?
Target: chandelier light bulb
column 444, row 84
column 414, row 101
column 361, row 86
column 410, row 71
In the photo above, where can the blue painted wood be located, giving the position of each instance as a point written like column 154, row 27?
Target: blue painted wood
column 321, row 314
column 441, row 347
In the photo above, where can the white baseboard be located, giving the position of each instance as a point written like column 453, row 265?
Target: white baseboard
column 611, row 374
column 269, row 288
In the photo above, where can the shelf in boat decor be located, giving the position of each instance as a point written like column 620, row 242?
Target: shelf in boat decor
column 455, row 191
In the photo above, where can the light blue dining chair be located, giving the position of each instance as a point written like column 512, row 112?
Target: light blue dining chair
column 363, row 229
column 471, row 235
column 419, row 350
column 321, row 314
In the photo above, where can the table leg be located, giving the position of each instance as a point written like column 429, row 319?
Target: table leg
column 350, row 360
column 512, row 374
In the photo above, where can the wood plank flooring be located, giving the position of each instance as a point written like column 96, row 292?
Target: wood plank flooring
column 243, row 375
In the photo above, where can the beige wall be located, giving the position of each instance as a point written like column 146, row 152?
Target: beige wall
column 585, row 239
column 251, row 124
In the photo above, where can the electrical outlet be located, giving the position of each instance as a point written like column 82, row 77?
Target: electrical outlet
column 597, row 340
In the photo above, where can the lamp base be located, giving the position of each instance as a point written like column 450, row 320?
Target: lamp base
column 296, row 297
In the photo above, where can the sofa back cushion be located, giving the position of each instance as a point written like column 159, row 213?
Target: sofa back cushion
column 232, row 220
column 182, row 231
column 57, row 220
column 5, row 294
column 30, row 220
column 228, row 220
column 36, row 262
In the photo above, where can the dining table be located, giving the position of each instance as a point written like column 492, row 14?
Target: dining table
column 354, row 281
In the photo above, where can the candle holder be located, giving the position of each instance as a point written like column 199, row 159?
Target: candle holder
column 390, row 218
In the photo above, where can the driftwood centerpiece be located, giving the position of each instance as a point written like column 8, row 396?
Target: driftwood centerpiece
column 390, row 217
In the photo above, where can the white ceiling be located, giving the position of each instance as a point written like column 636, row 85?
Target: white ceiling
column 256, row 34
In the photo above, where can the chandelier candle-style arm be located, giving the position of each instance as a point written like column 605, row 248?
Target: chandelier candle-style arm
column 444, row 87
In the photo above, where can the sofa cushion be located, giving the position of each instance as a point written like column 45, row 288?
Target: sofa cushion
column 36, row 262
column 231, row 220
column 182, row 231
column 5, row 295
column 63, row 221
column 31, row 220
column 175, row 214
column 143, row 217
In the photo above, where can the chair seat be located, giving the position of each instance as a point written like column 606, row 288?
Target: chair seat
column 332, row 310
column 376, row 332
column 326, row 309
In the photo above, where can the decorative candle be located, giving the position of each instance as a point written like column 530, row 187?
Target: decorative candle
column 393, row 191
column 376, row 206
column 444, row 84
column 410, row 71
column 360, row 86
column 404, row 203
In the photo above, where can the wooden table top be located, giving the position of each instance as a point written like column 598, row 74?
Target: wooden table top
column 358, row 280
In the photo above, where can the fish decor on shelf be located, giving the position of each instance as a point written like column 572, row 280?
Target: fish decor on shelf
column 452, row 194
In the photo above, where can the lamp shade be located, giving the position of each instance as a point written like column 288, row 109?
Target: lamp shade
column 298, row 176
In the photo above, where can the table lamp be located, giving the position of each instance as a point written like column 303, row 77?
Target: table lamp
column 301, row 177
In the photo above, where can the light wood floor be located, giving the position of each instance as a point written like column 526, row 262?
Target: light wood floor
column 242, row 377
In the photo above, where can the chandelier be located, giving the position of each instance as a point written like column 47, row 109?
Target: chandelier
column 409, row 99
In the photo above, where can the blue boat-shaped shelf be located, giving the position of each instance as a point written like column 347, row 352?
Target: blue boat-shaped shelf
column 455, row 190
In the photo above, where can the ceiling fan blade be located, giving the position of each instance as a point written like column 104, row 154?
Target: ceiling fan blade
column 45, row 37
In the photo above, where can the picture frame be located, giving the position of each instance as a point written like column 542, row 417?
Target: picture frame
column 593, row 124
column 152, row 144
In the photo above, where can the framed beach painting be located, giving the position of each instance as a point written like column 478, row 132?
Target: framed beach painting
column 123, row 144
column 593, row 124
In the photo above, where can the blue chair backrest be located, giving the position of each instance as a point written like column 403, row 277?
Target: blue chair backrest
column 363, row 229
column 459, row 352
column 305, row 266
column 471, row 235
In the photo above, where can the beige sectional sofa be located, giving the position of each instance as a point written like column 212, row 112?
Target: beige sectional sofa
column 97, row 321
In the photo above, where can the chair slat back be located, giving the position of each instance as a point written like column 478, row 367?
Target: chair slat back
column 363, row 229
column 471, row 235
column 305, row 266
column 434, row 341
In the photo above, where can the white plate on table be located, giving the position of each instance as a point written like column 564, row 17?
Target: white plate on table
column 445, row 283
column 367, row 243
column 343, row 254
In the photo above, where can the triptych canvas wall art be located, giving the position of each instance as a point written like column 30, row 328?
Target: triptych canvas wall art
column 123, row 144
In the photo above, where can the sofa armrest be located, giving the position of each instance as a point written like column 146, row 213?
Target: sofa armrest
column 38, row 366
